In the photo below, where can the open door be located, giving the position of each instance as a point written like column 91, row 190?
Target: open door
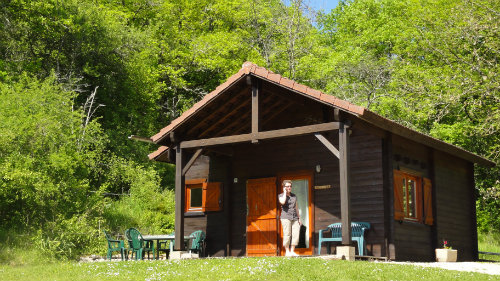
column 302, row 188
column 262, row 235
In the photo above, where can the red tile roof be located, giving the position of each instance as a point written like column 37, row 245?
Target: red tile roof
column 154, row 155
column 361, row 112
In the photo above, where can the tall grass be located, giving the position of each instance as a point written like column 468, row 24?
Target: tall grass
column 17, row 249
column 489, row 242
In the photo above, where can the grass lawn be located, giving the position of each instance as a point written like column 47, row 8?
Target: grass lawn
column 489, row 242
column 233, row 269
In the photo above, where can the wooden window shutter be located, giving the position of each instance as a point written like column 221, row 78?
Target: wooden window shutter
column 212, row 196
column 399, row 213
column 428, row 202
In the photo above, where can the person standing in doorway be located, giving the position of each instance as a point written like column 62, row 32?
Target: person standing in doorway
column 290, row 218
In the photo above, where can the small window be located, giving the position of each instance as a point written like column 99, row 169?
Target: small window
column 202, row 196
column 412, row 198
column 196, row 197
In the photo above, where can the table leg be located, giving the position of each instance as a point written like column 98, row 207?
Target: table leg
column 157, row 249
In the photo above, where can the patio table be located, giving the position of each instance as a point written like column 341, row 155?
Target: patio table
column 163, row 237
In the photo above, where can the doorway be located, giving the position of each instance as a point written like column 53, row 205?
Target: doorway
column 302, row 188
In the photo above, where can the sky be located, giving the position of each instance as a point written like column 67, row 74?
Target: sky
column 326, row 5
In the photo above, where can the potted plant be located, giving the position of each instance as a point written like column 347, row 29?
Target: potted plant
column 446, row 254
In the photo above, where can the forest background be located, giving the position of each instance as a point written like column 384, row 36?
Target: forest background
column 79, row 76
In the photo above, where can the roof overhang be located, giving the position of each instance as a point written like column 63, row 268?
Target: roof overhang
column 249, row 71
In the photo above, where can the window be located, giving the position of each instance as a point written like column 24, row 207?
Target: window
column 202, row 196
column 412, row 198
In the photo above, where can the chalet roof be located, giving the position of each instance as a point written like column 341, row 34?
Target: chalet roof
column 249, row 68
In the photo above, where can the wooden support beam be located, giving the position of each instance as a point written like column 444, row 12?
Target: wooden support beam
column 179, row 200
column 336, row 114
column 172, row 137
column 255, row 109
column 276, row 111
column 227, row 110
column 263, row 121
column 328, row 144
column 345, row 184
column 232, row 115
column 191, row 161
column 297, row 131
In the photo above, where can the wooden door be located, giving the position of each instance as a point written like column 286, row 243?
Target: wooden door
column 262, row 233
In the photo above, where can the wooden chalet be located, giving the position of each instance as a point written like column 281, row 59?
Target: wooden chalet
column 234, row 147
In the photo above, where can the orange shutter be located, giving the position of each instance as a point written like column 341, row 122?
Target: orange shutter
column 399, row 213
column 428, row 202
column 212, row 196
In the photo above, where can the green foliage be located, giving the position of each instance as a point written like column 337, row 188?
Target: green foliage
column 146, row 206
column 78, row 76
column 430, row 65
column 43, row 152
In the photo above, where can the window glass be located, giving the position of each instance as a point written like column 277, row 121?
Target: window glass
column 301, row 189
column 405, row 207
column 196, row 197
column 411, row 198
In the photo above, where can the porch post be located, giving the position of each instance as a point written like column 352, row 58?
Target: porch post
column 179, row 200
column 345, row 184
column 255, row 109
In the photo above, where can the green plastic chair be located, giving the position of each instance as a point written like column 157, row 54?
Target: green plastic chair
column 114, row 246
column 357, row 234
column 137, row 244
column 198, row 243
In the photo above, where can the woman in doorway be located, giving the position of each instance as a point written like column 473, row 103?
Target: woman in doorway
column 290, row 219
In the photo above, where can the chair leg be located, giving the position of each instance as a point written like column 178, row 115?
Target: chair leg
column 361, row 246
column 319, row 247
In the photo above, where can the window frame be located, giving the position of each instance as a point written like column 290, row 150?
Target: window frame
column 192, row 184
column 418, row 199
column 402, row 200
column 211, row 196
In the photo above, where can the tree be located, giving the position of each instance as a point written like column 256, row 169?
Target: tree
column 432, row 66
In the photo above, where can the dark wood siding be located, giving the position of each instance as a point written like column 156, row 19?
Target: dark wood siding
column 455, row 210
column 218, row 222
column 412, row 240
column 199, row 170
column 271, row 158
column 215, row 224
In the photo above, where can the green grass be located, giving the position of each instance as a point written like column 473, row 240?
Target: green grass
column 489, row 242
column 233, row 269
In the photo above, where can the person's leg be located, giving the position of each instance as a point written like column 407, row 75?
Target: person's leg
column 295, row 227
column 287, row 232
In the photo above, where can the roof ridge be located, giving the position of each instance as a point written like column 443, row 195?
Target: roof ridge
column 252, row 68
column 292, row 84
